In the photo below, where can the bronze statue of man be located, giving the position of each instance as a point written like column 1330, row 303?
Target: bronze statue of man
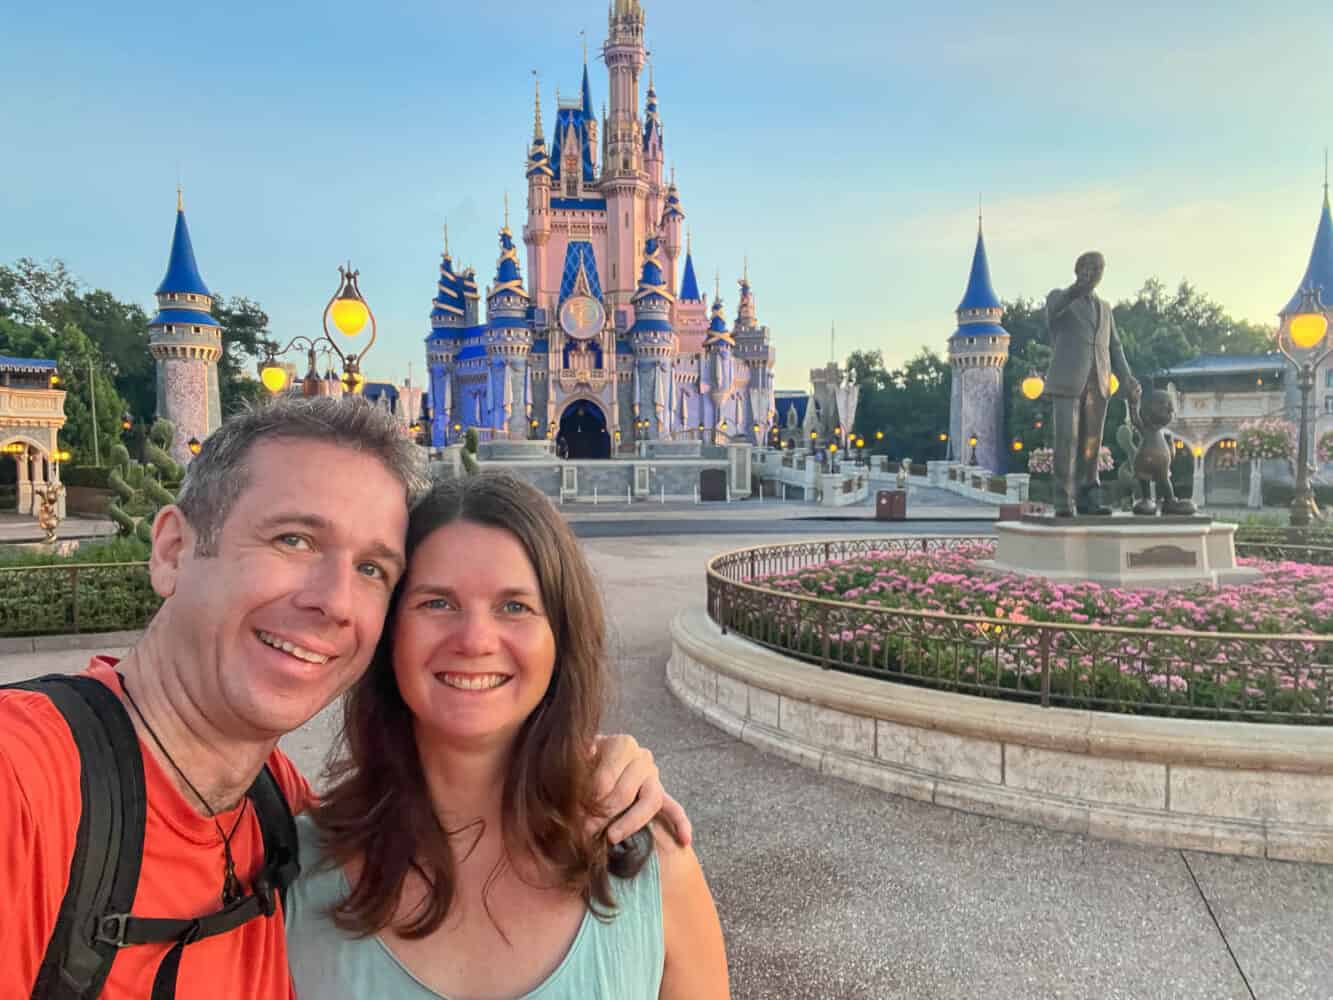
column 1087, row 352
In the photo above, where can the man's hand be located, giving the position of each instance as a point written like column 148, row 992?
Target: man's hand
column 630, row 789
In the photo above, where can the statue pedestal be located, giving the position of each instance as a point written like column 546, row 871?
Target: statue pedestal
column 1121, row 551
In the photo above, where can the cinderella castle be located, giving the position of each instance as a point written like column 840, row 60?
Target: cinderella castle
column 610, row 340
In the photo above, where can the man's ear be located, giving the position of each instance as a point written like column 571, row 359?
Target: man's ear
column 173, row 541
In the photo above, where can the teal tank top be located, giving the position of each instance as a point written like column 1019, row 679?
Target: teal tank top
column 617, row 960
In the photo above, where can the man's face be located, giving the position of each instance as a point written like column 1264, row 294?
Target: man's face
column 1089, row 270
column 286, row 615
column 1163, row 410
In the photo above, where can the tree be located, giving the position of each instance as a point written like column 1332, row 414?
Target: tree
column 120, row 332
column 909, row 404
column 866, row 369
column 245, row 336
column 31, row 292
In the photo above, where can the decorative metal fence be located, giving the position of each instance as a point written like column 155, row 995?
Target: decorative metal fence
column 83, row 597
column 1259, row 677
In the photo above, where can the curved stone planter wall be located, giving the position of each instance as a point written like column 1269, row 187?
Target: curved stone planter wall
column 1232, row 788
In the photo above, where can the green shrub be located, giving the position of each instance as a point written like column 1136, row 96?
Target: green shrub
column 94, row 476
column 82, row 597
column 1281, row 494
column 113, row 550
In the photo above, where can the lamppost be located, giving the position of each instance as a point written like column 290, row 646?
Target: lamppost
column 350, row 313
column 944, row 440
column 1305, row 330
column 972, row 443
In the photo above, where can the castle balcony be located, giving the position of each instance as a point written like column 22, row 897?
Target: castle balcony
column 1230, row 406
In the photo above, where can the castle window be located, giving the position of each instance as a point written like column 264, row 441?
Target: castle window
column 197, row 330
column 170, row 328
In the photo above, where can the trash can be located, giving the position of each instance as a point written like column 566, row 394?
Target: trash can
column 891, row 505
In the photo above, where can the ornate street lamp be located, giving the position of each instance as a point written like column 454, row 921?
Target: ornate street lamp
column 972, row 443
column 194, row 445
column 350, row 315
column 1305, row 330
column 1033, row 386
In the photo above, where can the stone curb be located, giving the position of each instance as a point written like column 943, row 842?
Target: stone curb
column 997, row 759
column 1197, row 742
column 17, row 645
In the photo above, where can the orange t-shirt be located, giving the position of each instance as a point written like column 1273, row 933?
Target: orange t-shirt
column 181, row 875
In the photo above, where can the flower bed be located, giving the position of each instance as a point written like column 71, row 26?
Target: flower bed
column 1005, row 652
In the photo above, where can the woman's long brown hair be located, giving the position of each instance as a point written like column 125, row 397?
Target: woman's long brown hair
column 377, row 810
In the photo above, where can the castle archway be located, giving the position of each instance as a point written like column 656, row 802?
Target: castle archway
column 583, row 432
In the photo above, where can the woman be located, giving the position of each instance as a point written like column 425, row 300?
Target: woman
column 455, row 852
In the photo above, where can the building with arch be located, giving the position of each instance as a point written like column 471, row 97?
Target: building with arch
column 32, row 411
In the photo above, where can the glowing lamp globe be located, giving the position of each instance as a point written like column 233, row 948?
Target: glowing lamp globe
column 1018, row 446
column 944, row 437
column 194, row 445
column 1307, row 329
column 879, row 435
column 1198, row 451
column 274, row 377
column 1033, row 386
column 349, row 314
column 62, row 456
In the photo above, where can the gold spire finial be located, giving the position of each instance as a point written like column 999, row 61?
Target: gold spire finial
column 717, row 284
column 180, row 197
column 1325, row 173
column 446, row 237
column 506, row 210
column 978, row 213
column 537, row 107
column 583, row 34
column 650, row 75
column 689, row 242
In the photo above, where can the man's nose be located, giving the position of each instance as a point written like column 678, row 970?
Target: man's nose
column 329, row 589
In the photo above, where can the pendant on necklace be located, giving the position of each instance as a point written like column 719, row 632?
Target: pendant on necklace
column 231, row 885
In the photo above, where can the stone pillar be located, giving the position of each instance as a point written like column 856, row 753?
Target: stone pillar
column 24, row 482
column 1200, row 484
column 1256, row 497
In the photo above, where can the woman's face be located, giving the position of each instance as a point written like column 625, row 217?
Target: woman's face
column 473, row 650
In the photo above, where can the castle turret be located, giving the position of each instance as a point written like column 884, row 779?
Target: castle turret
column 508, row 341
column 589, row 116
column 754, row 346
column 186, row 342
column 654, row 343
column 673, row 221
column 447, row 319
column 978, row 351
column 653, row 150
column 623, row 182
column 537, row 232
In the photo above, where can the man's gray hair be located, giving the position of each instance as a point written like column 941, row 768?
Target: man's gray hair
column 219, row 474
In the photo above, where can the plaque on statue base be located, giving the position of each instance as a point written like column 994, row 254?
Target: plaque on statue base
column 1121, row 551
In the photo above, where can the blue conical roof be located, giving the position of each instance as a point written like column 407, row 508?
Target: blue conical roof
column 587, row 97
column 182, row 272
column 980, row 293
column 1319, row 272
column 689, row 286
column 508, row 278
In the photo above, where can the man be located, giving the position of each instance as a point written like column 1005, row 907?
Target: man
column 1087, row 351
column 276, row 567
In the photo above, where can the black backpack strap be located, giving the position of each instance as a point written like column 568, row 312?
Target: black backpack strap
column 121, row 929
column 108, row 846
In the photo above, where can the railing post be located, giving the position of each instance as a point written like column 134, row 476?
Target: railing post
column 1045, row 652
column 752, row 570
column 823, row 627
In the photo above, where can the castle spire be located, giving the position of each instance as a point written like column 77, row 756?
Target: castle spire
column 537, row 133
column 980, row 292
column 689, row 285
column 182, row 275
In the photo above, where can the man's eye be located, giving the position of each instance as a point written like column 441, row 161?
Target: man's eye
column 294, row 541
column 373, row 570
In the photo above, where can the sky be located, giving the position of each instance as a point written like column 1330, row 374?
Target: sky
column 843, row 148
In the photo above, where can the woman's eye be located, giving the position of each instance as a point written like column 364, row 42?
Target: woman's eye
column 435, row 604
column 516, row 608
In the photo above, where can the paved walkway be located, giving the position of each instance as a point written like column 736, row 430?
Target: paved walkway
column 21, row 528
column 832, row 891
